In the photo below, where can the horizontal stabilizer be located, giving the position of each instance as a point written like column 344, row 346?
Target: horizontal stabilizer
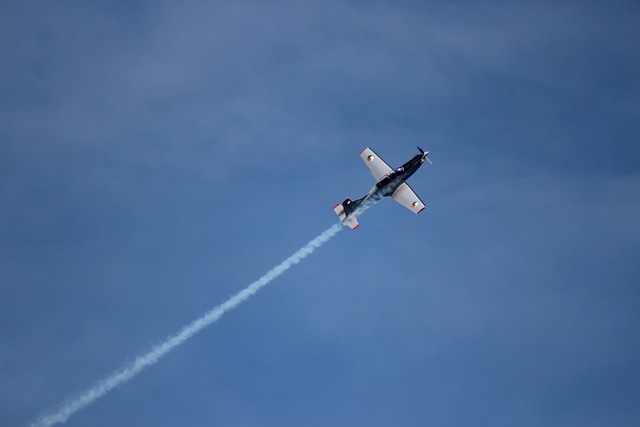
column 339, row 210
column 351, row 221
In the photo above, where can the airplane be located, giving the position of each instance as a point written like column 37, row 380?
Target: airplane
column 389, row 182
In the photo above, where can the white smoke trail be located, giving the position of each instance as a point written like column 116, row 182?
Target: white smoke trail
column 156, row 353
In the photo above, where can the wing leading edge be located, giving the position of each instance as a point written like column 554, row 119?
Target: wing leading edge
column 408, row 198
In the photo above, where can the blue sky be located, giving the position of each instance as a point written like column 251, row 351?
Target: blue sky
column 157, row 157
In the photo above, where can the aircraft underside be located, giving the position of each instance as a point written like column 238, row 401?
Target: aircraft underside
column 389, row 182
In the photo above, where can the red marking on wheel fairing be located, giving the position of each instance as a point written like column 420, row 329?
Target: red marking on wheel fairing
column 336, row 206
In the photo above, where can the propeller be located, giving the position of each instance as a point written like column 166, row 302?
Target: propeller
column 424, row 154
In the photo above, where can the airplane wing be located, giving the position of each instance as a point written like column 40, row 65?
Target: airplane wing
column 407, row 198
column 376, row 165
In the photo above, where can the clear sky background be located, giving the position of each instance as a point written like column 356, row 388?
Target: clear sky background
column 157, row 157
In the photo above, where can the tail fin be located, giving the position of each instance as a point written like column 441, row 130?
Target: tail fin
column 339, row 209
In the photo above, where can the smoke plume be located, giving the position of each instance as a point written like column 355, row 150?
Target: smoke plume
column 154, row 355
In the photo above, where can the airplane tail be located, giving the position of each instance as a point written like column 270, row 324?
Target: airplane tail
column 344, row 209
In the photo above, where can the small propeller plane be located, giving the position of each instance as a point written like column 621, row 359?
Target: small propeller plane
column 389, row 182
